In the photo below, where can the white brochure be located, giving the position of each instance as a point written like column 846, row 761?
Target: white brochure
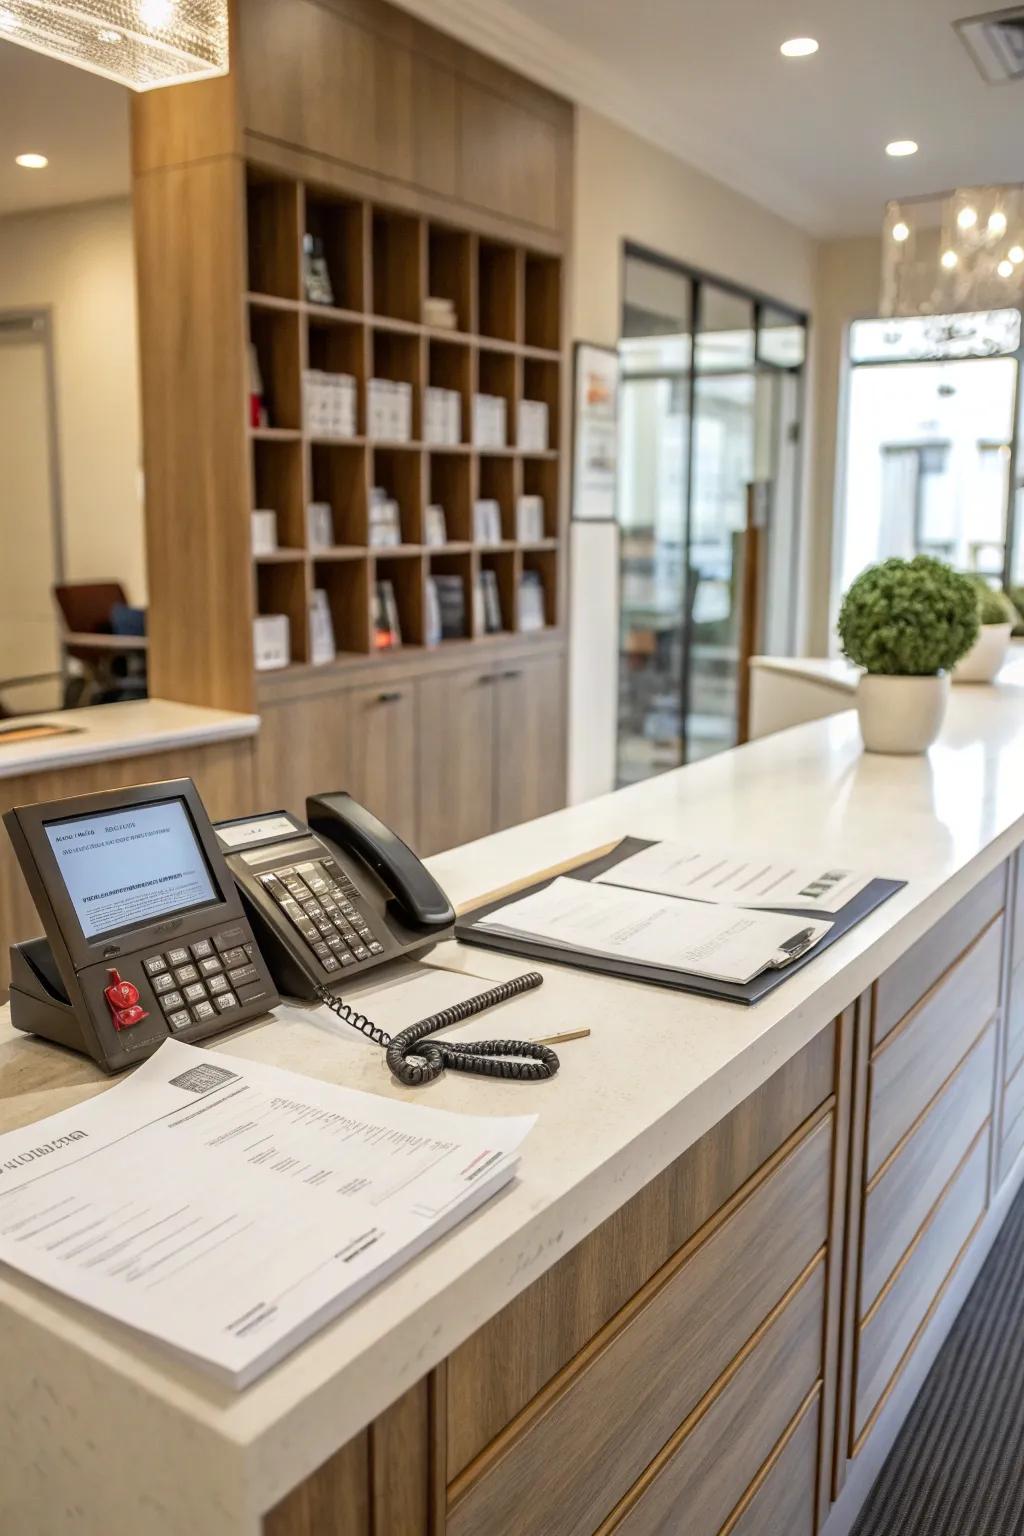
column 230, row 1209
column 739, row 880
column 722, row 943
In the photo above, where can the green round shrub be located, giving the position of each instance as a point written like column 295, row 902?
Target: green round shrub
column 994, row 607
column 909, row 617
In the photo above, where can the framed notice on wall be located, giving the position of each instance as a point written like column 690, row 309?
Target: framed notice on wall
column 595, row 433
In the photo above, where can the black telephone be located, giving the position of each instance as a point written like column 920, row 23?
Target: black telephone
column 330, row 900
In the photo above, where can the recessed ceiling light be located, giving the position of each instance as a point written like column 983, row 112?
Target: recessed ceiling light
column 31, row 162
column 799, row 47
column 1016, row 254
column 997, row 222
column 1005, row 269
column 949, row 260
column 967, row 218
column 901, row 232
column 900, row 147
column 110, row 35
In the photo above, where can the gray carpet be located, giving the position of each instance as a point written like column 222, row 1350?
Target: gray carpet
column 957, row 1468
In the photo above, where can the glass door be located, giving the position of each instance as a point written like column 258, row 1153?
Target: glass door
column 711, row 407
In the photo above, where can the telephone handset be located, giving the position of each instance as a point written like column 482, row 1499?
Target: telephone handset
column 334, row 898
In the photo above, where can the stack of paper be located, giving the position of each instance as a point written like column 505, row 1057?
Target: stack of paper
column 700, row 938
column 230, row 1209
column 742, row 880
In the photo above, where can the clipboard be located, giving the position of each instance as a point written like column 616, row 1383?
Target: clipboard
column 466, row 929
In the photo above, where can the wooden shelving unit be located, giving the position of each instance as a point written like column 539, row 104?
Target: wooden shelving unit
column 383, row 263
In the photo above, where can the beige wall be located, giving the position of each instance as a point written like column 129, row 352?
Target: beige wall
column 846, row 288
column 78, row 262
column 628, row 189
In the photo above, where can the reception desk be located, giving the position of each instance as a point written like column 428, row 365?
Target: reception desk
column 736, row 1241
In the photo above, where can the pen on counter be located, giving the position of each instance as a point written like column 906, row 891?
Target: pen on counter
column 570, row 1034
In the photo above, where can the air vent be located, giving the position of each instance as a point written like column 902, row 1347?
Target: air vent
column 996, row 44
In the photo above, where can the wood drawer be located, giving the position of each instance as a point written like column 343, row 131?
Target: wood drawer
column 581, row 1445
column 888, row 1334
column 906, row 982
column 1015, row 1011
column 900, row 1199
column 1013, row 1145
column 699, row 1479
column 915, row 1060
column 782, row 1504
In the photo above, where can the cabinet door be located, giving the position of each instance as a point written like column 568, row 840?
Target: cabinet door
column 530, row 734
column 302, row 749
column 456, row 757
column 381, row 726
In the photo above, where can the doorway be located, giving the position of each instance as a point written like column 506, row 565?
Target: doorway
column 30, row 521
column 711, row 403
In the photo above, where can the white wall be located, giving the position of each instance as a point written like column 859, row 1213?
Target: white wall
column 628, row 189
column 78, row 262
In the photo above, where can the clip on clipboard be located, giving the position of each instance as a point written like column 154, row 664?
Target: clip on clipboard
column 790, row 956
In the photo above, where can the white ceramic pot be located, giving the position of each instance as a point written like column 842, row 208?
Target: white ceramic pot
column 986, row 655
column 901, row 714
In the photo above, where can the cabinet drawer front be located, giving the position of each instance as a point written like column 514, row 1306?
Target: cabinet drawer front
column 914, row 1062
column 578, row 1449
column 1015, row 1010
column 910, row 1185
column 889, row 1332
column 699, row 1483
column 784, row 1502
column 1013, row 1145
column 906, row 982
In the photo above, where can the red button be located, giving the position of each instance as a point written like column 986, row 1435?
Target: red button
column 123, row 1001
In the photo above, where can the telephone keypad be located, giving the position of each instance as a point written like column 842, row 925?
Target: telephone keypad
column 315, row 899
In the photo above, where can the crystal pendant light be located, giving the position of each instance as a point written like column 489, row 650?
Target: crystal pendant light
column 954, row 253
column 139, row 43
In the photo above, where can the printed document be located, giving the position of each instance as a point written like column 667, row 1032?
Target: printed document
column 723, row 943
column 674, row 869
column 230, row 1209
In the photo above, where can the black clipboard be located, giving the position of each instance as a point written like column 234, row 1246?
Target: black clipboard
column 872, row 896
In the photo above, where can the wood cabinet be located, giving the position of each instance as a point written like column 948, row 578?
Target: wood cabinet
column 530, row 737
column 382, row 753
column 457, row 757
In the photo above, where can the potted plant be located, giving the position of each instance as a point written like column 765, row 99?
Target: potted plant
column 998, row 617
column 907, row 623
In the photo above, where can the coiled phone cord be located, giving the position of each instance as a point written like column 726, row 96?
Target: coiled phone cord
column 413, row 1060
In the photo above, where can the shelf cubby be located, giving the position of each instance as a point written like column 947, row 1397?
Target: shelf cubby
column 347, row 584
column 337, row 346
column 281, row 588
column 498, row 290
column 450, row 486
column 450, row 271
column 338, row 476
column 542, row 301
column 398, row 355
column 541, row 382
column 540, row 478
column 461, row 565
column 399, row 472
column 496, row 481
column 274, row 239
column 275, row 335
column 406, row 573
column 505, row 564
column 544, row 562
column 450, row 366
column 278, row 487
column 497, row 375
column 340, row 225
column 398, row 265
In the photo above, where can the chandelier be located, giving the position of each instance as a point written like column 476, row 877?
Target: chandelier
column 953, row 253
column 139, row 43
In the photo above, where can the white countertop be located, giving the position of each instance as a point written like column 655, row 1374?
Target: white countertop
column 831, row 671
column 132, row 729
column 657, row 1071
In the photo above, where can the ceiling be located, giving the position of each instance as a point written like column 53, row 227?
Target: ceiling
column 79, row 121
column 804, row 136
column 704, row 78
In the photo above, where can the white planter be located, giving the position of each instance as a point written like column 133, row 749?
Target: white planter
column 901, row 714
column 986, row 655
